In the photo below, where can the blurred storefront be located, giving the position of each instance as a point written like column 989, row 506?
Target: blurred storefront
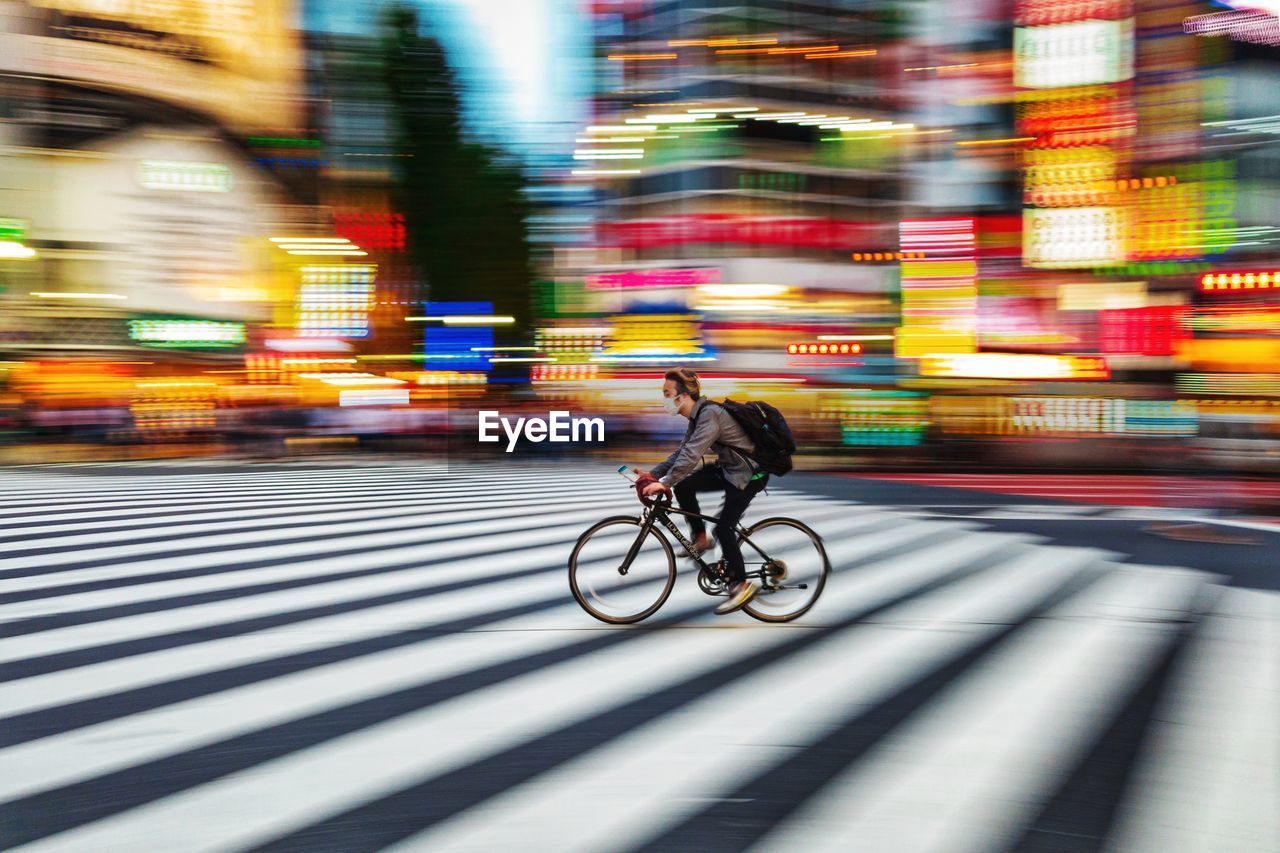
column 747, row 166
column 1015, row 233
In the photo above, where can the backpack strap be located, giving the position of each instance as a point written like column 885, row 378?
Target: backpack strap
column 741, row 451
column 693, row 424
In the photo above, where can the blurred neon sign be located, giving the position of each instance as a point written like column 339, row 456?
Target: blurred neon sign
column 1261, row 318
column 809, row 348
column 458, row 346
column 564, row 372
column 184, row 176
column 571, row 341
column 803, row 232
column 654, row 336
column 371, row 230
column 1249, row 25
column 201, row 334
column 654, row 278
column 334, row 300
column 999, row 365
column 1085, row 116
column 1069, row 177
column 1241, row 280
column 373, row 397
column 1073, row 237
column 1063, row 415
column 14, row 230
column 1079, row 53
column 1150, row 330
column 939, row 287
column 1099, row 295
column 1030, row 13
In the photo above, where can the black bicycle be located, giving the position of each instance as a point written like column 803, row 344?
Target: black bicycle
column 623, row 568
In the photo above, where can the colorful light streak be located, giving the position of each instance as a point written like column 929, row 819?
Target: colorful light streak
column 334, row 301
column 174, row 175
column 998, row 365
column 194, row 334
column 49, row 294
column 653, row 278
column 1252, row 26
column 12, row 250
column 641, row 57
column 939, row 287
column 1240, row 280
column 824, row 349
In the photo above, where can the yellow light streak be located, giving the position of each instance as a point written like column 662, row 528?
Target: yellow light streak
column 44, row 294
column 1013, row 140
column 840, row 54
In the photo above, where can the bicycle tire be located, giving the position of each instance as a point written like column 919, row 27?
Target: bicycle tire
column 573, row 571
column 752, row 609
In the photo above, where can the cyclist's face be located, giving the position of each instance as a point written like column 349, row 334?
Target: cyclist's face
column 672, row 393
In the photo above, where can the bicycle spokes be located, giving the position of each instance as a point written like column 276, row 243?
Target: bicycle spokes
column 620, row 571
column 791, row 572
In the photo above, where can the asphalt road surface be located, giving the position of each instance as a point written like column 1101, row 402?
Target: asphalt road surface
column 369, row 656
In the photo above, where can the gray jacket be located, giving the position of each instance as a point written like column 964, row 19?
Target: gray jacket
column 710, row 428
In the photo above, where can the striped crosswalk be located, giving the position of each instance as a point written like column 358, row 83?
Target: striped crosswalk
column 358, row 658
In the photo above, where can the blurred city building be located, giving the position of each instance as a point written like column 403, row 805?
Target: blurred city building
column 1013, row 232
column 749, row 158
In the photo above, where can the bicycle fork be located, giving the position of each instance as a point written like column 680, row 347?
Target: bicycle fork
column 635, row 546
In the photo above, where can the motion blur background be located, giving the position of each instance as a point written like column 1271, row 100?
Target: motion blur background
column 990, row 234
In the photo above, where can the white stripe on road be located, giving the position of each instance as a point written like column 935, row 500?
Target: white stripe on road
column 94, row 750
column 710, row 746
column 974, row 767
column 192, row 537
column 64, row 759
column 486, row 534
column 300, row 494
column 254, row 805
column 129, row 673
column 1209, row 779
column 134, row 512
column 58, row 640
column 282, row 519
column 279, row 480
column 379, row 550
column 254, row 513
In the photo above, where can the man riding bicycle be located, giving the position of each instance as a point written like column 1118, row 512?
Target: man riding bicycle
column 710, row 428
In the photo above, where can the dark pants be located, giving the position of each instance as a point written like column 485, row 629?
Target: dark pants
column 736, row 501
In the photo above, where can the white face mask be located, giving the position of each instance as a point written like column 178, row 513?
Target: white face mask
column 669, row 406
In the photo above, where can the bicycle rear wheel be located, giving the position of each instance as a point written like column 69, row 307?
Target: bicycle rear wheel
column 598, row 582
column 794, row 565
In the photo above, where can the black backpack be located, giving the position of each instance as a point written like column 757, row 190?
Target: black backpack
column 768, row 431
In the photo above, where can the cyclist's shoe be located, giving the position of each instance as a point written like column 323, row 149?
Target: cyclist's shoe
column 700, row 547
column 739, row 594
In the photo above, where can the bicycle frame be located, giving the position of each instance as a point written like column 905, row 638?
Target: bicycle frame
column 661, row 513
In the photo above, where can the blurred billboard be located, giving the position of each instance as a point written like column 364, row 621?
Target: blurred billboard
column 236, row 61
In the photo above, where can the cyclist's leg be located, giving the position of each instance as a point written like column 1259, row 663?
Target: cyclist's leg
column 736, row 502
column 686, row 492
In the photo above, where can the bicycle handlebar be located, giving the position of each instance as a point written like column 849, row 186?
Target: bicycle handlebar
column 660, row 499
column 663, row 498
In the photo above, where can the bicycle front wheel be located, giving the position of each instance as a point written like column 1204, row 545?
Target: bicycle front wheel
column 792, row 564
column 610, row 591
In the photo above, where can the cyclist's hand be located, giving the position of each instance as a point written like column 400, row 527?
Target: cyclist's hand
column 640, row 472
column 655, row 488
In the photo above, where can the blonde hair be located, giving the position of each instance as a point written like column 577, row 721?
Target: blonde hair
column 686, row 381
